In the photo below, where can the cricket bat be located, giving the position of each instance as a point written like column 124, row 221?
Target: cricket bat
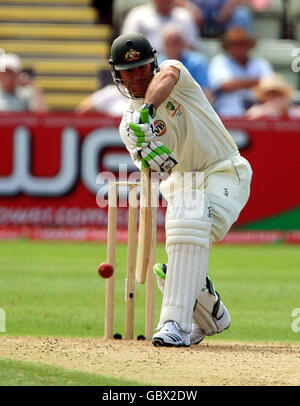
column 145, row 224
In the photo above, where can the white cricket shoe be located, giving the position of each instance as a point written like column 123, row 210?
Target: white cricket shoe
column 170, row 335
column 223, row 322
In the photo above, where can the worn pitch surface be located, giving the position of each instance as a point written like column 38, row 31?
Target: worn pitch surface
column 210, row 363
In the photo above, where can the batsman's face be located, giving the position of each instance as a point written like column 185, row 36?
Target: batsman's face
column 136, row 80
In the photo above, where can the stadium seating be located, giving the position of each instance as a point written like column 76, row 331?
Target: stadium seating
column 279, row 52
column 295, row 16
column 268, row 23
column 61, row 42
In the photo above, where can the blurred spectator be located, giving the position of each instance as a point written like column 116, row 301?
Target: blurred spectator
column 151, row 19
column 197, row 64
column 17, row 89
column 107, row 99
column 234, row 73
column 104, row 9
column 214, row 17
column 26, row 80
column 275, row 98
column 193, row 9
column 260, row 5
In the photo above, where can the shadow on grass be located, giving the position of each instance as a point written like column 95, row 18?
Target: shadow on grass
column 21, row 373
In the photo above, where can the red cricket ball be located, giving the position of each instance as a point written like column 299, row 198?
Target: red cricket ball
column 105, row 270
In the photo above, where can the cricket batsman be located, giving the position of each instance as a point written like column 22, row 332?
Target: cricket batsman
column 206, row 182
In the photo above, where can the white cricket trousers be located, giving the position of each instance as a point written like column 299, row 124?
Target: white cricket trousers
column 226, row 185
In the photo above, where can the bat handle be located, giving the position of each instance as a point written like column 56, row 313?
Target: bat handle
column 145, row 116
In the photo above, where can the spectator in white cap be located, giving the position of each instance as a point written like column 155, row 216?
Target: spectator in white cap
column 15, row 96
column 275, row 100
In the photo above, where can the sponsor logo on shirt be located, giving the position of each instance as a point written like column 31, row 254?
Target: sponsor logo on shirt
column 160, row 127
column 173, row 109
column 170, row 106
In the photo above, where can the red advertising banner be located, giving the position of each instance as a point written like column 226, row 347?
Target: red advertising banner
column 54, row 168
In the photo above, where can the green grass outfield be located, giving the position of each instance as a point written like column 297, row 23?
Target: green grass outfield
column 53, row 289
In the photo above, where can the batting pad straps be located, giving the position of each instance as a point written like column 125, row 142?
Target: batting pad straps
column 209, row 308
column 188, row 231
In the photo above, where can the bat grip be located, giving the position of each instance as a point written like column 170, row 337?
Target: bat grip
column 145, row 116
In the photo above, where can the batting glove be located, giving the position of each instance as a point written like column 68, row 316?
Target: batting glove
column 158, row 157
column 139, row 132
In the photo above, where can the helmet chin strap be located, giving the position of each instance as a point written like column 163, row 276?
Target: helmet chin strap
column 125, row 91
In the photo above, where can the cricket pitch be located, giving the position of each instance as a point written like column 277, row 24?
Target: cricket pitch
column 210, row 363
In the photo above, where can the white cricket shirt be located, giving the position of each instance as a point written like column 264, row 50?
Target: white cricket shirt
column 188, row 125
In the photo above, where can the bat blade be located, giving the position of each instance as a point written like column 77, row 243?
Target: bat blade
column 145, row 227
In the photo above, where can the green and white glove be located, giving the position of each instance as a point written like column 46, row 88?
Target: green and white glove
column 139, row 133
column 158, row 157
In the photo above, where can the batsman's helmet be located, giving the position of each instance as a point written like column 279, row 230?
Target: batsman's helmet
column 130, row 51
